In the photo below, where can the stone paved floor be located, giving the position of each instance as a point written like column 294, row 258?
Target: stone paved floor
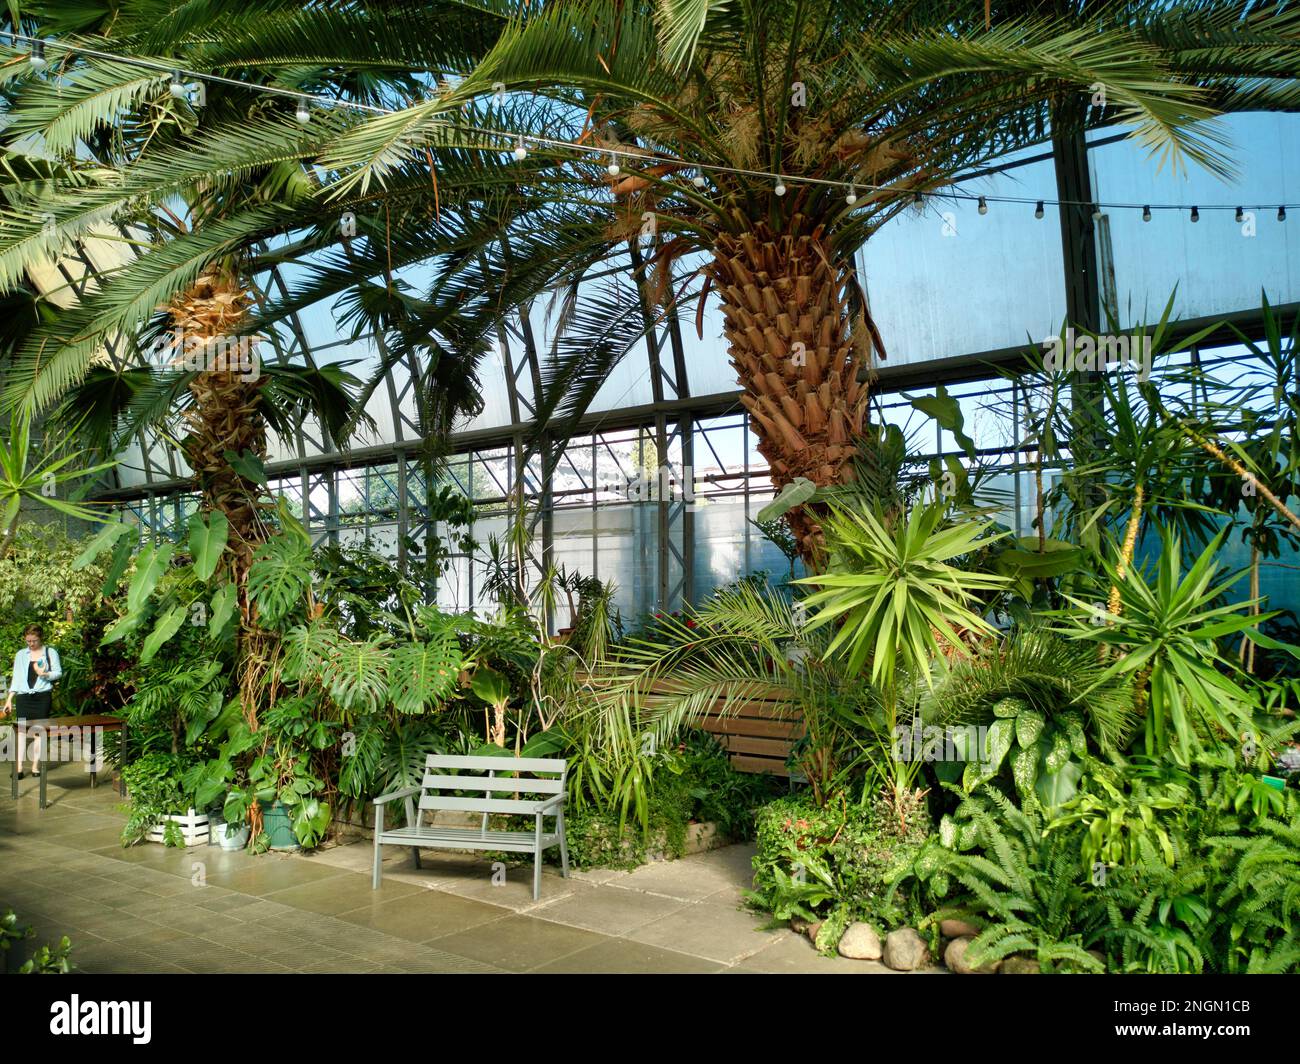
column 152, row 909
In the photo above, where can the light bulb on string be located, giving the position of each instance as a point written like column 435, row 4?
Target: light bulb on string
column 1281, row 214
column 780, row 187
column 613, row 168
column 852, row 196
column 1146, row 213
column 984, row 206
column 177, row 86
column 1038, row 210
column 1196, row 214
column 699, row 181
column 303, row 114
column 520, row 152
column 1240, row 216
column 37, row 56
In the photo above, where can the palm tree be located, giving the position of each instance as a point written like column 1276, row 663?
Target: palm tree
column 115, row 160
column 900, row 98
column 206, row 191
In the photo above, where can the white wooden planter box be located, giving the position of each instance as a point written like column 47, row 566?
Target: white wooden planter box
column 194, row 828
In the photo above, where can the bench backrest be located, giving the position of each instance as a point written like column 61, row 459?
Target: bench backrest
column 533, row 778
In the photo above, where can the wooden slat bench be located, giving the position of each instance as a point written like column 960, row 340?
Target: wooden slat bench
column 448, row 773
column 758, row 731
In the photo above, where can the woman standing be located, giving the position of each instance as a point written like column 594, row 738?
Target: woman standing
column 36, row 667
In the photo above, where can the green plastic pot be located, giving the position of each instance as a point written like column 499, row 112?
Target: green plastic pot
column 278, row 825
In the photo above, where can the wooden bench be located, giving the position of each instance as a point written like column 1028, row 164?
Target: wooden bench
column 84, row 731
column 758, row 730
column 758, row 733
column 489, row 776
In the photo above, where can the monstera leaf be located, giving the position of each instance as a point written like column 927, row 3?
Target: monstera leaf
column 423, row 674
column 280, row 575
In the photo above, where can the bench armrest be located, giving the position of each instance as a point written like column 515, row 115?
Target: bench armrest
column 551, row 804
column 405, row 792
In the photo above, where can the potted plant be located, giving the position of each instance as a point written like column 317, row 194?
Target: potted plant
column 162, row 807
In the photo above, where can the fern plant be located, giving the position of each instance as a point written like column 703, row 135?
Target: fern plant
column 994, row 864
column 1256, row 926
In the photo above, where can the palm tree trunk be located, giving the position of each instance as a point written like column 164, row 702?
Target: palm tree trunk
column 1126, row 552
column 793, row 343
column 225, row 419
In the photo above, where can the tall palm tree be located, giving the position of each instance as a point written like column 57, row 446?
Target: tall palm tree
column 206, row 192
column 901, row 97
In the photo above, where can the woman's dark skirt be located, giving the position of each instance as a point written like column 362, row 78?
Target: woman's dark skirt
column 34, row 707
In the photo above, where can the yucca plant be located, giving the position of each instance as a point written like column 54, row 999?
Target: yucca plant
column 1168, row 638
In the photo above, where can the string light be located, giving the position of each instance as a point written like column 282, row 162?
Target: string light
column 699, row 181
column 1038, row 210
column 1196, row 214
column 306, row 101
column 612, row 168
column 1240, row 216
column 852, row 196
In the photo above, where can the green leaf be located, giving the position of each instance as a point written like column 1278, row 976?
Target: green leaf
column 280, row 575
column 423, row 674
column 1029, row 726
column 947, row 412
column 102, row 540
column 150, row 564
column 1056, row 788
column 207, row 542
column 168, row 625
column 796, row 493
column 490, row 686
column 247, row 465
column 223, row 608
column 117, row 566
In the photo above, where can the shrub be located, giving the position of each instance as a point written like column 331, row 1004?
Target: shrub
column 832, row 863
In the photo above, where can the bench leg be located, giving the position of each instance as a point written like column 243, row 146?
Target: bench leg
column 379, row 865
column 413, row 820
column 537, row 859
column 564, row 845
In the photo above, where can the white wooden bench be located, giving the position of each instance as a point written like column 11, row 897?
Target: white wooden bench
column 504, row 783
